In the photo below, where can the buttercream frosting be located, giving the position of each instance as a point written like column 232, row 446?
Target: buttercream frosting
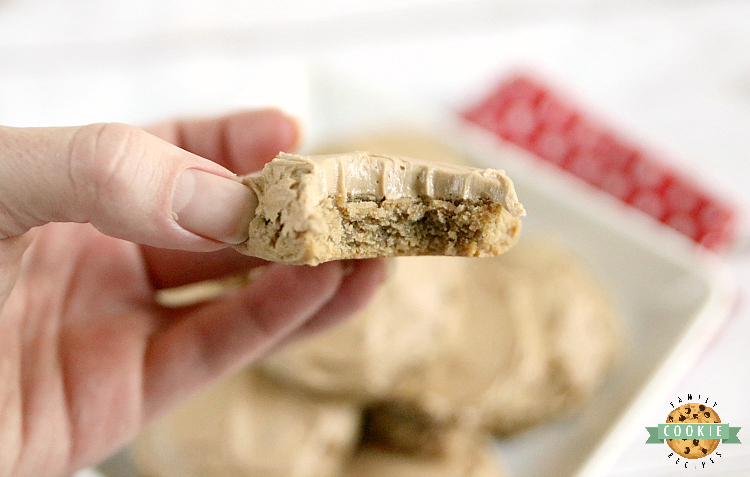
column 362, row 175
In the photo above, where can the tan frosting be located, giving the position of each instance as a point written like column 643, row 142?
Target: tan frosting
column 361, row 175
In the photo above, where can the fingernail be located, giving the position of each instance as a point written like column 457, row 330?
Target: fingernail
column 213, row 206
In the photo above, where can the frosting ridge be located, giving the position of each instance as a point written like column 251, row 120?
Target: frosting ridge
column 361, row 175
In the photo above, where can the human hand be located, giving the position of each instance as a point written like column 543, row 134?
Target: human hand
column 87, row 358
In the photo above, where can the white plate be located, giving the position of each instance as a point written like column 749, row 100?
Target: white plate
column 665, row 285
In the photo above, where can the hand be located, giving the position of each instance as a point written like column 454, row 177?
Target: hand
column 87, row 358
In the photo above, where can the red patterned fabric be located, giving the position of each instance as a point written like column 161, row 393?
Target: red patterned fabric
column 530, row 115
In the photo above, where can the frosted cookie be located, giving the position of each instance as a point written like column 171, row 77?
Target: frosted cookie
column 511, row 341
column 564, row 331
column 404, row 428
column 467, row 457
column 313, row 209
column 249, row 425
column 400, row 439
column 392, row 347
column 693, row 413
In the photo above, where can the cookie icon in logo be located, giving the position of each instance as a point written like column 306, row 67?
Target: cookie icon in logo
column 693, row 413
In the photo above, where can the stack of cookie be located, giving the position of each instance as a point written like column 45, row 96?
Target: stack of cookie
column 449, row 353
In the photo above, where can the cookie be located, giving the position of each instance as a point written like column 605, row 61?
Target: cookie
column 405, row 428
column 313, row 209
column 249, row 425
column 692, row 448
column 468, row 456
column 565, row 330
column 393, row 347
column 515, row 340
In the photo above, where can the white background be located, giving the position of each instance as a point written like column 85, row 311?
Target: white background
column 672, row 74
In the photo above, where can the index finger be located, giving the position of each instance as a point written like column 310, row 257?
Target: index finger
column 241, row 142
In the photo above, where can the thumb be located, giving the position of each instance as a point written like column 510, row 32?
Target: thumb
column 124, row 181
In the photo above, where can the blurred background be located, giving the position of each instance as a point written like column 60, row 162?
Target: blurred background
column 676, row 73
column 673, row 75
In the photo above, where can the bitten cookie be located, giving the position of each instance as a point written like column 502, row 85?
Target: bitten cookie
column 693, row 413
column 313, row 209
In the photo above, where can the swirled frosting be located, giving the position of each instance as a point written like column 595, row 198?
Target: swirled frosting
column 361, row 175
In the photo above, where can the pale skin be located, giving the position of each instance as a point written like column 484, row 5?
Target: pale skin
column 87, row 358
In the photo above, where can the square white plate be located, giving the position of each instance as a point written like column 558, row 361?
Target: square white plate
column 665, row 285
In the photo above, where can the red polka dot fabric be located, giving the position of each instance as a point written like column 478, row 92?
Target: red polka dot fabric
column 525, row 112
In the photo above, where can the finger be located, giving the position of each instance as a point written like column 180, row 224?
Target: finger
column 361, row 281
column 220, row 337
column 243, row 142
column 11, row 253
column 174, row 268
column 127, row 183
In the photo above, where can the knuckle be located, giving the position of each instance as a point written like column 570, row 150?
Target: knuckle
column 101, row 160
